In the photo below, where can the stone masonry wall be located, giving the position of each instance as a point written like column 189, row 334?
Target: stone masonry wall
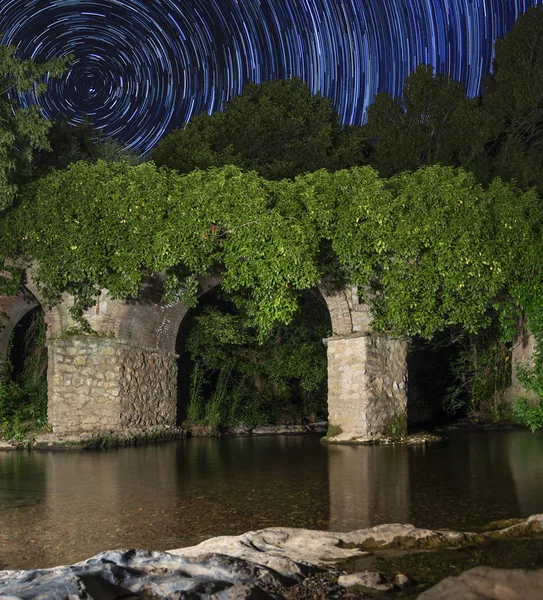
column 98, row 385
column 367, row 380
column 522, row 353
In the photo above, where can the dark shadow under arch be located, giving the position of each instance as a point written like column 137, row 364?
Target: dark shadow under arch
column 213, row 298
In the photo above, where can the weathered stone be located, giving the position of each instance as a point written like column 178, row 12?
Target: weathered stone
column 153, row 574
column 402, row 581
column 282, row 549
column 522, row 356
column 280, row 429
column 318, row 427
column 365, row 400
column 368, row 580
column 237, row 430
column 114, row 401
column 261, row 563
column 486, row 583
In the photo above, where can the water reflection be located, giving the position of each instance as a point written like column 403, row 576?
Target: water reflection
column 60, row 507
column 368, row 485
column 525, row 455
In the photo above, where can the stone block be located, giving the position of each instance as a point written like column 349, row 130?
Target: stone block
column 362, row 407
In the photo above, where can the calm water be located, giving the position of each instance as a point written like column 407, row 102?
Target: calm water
column 60, row 507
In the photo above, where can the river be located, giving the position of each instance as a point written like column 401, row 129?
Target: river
column 61, row 507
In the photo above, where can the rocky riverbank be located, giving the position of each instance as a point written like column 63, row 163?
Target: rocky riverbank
column 400, row 560
column 52, row 441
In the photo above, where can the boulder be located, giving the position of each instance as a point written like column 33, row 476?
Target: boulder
column 121, row 574
column 367, row 580
column 486, row 583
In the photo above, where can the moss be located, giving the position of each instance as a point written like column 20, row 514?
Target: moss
column 396, row 425
column 425, row 569
column 333, row 431
column 111, row 440
column 502, row 524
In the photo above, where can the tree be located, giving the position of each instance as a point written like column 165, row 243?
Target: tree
column 433, row 122
column 514, row 98
column 22, row 131
column 278, row 129
column 70, row 143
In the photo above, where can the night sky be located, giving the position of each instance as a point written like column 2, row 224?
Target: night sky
column 144, row 67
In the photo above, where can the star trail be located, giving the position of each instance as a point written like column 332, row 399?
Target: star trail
column 144, row 67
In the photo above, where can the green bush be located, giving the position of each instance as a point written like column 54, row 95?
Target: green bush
column 482, row 371
column 237, row 380
column 23, row 396
column 531, row 416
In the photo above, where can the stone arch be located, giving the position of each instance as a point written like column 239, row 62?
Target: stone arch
column 150, row 323
column 347, row 313
column 125, row 378
column 334, row 303
column 12, row 310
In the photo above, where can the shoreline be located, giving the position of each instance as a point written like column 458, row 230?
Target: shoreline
column 40, row 441
column 401, row 560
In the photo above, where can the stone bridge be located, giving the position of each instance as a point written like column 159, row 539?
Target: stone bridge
column 125, row 378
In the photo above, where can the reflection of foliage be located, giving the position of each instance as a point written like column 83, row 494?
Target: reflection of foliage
column 237, row 380
column 23, row 395
column 482, row 372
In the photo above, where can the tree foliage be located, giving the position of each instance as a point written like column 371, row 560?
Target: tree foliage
column 499, row 134
column 434, row 247
column 70, row 143
column 277, row 128
column 236, row 379
column 515, row 101
column 22, row 131
column 433, row 122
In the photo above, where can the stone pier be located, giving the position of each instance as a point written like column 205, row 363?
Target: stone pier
column 98, row 385
column 522, row 355
column 367, row 379
column 367, row 375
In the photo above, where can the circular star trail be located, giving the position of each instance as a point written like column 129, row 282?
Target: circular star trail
column 144, row 67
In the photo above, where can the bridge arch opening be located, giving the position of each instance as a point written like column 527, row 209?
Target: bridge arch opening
column 23, row 362
column 227, row 379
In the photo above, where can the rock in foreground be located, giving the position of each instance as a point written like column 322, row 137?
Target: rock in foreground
column 274, row 563
column 487, row 583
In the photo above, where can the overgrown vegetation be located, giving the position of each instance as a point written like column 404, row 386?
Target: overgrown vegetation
column 23, row 390
column 529, row 415
column 481, row 369
column 236, row 380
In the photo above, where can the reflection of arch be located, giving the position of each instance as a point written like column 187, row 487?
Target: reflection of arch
column 13, row 309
